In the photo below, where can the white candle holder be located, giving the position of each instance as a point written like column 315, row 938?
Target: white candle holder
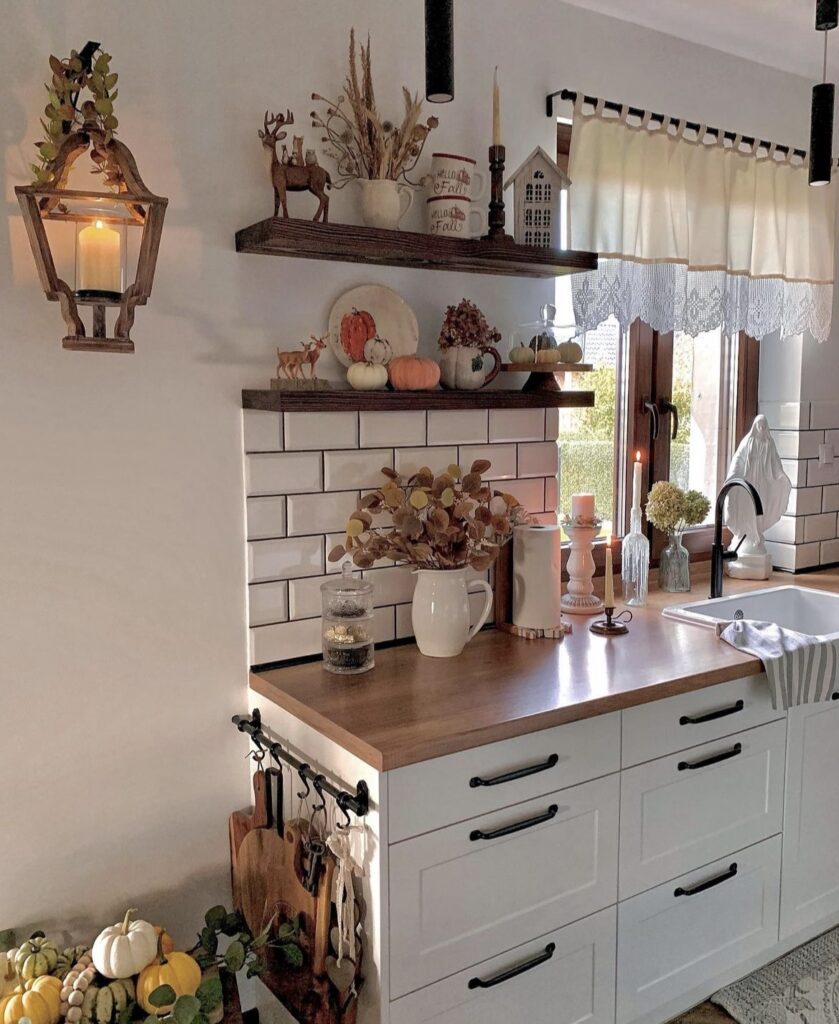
column 580, row 598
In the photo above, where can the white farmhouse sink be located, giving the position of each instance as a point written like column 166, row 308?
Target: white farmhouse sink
column 815, row 612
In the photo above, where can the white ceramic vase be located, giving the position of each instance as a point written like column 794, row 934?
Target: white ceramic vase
column 384, row 202
column 440, row 611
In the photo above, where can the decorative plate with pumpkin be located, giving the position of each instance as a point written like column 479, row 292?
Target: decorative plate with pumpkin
column 365, row 316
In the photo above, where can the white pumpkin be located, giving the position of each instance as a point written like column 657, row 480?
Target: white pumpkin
column 522, row 354
column 367, row 376
column 547, row 355
column 124, row 949
column 377, row 350
column 570, row 352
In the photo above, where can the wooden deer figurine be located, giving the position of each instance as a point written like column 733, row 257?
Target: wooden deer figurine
column 293, row 177
column 290, row 364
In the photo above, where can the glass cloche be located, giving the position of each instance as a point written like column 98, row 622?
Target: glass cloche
column 545, row 341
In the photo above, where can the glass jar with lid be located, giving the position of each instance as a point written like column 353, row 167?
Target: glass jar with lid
column 347, row 609
column 545, row 341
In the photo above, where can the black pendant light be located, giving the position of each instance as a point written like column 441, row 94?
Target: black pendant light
column 824, row 95
column 439, row 51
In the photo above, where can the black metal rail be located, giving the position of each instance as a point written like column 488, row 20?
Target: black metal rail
column 358, row 802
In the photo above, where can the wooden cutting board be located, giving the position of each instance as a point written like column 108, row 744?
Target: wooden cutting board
column 270, row 880
column 240, row 823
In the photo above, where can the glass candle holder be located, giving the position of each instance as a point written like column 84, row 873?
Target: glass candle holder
column 347, row 611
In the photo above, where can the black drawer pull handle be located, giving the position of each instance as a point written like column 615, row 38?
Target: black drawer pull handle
column 508, row 830
column 514, row 972
column 703, row 886
column 519, row 773
column 712, row 715
column 724, row 756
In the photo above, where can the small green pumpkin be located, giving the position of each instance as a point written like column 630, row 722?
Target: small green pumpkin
column 36, row 957
column 104, row 1005
column 67, row 960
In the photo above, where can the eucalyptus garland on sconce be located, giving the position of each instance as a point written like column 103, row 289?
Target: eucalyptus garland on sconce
column 363, row 144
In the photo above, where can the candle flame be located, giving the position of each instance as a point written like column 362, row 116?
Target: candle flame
column 100, row 224
column 638, row 456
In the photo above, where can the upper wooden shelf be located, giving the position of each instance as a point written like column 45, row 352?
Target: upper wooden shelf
column 341, row 400
column 348, row 243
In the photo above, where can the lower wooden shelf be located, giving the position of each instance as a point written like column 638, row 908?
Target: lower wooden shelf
column 398, row 401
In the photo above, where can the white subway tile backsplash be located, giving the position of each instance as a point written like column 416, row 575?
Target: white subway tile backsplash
column 267, row 603
column 409, row 460
column 822, row 476
column 502, row 457
column 284, row 641
column 531, row 493
column 829, row 553
column 517, row 424
column 284, row 559
column 805, row 501
column 393, row 585
column 832, row 438
column 821, row 527
column 824, row 415
column 787, row 415
column 539, row 458
column 359, row 469
column 315, row 431
column 551, row 494
column 319, row 513
column 392, row 429
column 788, row 530
column 266, row 518
column 304, row 597
column 289, row 473
column 384, row 625
column 798, row 444
column 807, row 556
column 830, row 500
column 796, row 470
column 457, row 426
column 262, row 431
column 551, row 424
column 783, row 555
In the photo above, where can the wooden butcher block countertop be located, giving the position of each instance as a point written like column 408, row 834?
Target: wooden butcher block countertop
column 411, row 708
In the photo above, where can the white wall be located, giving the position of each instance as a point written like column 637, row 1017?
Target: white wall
column 122, row 628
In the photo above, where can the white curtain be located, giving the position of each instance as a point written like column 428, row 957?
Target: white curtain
column 694, row 233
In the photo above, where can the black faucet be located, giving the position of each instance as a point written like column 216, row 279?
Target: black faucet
column 719, row 553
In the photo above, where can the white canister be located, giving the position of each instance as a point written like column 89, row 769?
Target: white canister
column 453, row 175
column 537, row 576
column 454, row 217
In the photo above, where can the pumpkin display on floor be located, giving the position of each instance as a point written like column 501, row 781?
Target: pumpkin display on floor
column 36, row 957
column 178, row 970
column 125, row 949
column 38, row 1000
column 413, row 373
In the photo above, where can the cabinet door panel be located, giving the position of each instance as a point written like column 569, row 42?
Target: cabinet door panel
column 576, row 986
column 456, row 900
column 675, row 818
column 810, row 883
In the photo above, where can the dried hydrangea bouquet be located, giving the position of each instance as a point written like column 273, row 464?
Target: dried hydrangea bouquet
column 672, row 510
column 443, row 524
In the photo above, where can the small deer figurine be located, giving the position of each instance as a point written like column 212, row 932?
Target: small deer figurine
column 290, row 364
column 293, row 176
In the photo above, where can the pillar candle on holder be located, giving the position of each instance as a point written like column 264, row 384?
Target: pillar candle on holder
column 99, row 266
column 496, row 109
column 636, row 482
column 609, row 588
column 582, row 506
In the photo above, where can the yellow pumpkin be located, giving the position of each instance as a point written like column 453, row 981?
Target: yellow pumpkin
column 177, row 970
column 39, row 1000
column 413, row 373
column 8, row 975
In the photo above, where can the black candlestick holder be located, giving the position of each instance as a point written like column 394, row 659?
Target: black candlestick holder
column 612, row 625
column 496, row 220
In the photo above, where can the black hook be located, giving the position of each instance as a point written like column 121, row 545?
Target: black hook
column 301, row 771
column 341, row 802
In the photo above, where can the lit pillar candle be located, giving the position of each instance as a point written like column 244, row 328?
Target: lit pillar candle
column 99, row 268
column 582, row 507
column 609, row 588
column 496, row 110
column 636, row 482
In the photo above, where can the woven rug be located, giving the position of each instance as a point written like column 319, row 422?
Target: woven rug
column 800, row 988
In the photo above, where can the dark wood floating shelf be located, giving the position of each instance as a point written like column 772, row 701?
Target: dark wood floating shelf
column 348, row 243
column 399, row 401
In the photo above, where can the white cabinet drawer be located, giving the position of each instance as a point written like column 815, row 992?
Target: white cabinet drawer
column 663, row 726
column 569, row 978
column 447, row 789
column 468, row 892
column 685, row 810
column 669, row 943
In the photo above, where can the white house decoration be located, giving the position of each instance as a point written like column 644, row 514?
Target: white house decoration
column 538, row 186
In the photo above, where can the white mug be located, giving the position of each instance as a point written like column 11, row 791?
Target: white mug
column 454, row 217
column 453, row 175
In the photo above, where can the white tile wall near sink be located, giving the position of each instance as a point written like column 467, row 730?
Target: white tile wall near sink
column 304, row 472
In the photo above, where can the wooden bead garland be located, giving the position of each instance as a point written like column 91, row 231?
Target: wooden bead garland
column 75, row 985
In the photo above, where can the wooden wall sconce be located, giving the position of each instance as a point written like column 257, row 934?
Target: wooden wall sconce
column 102, row 220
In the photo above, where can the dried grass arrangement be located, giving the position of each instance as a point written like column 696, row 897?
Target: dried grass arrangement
column 362, row 143
column 445, row 521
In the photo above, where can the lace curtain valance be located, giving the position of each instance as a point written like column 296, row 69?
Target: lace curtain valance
column 694, row 233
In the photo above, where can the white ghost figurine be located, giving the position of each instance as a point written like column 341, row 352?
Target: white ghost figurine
column 758, row 461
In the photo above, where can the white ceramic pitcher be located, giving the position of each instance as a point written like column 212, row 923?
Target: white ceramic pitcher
column 440, row 611
column 384, row 202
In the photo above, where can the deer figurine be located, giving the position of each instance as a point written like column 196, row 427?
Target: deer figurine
column 293, row 176
column 290, row 364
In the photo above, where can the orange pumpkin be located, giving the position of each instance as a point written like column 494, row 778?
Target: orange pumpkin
column 413, row 373
column 357, row 328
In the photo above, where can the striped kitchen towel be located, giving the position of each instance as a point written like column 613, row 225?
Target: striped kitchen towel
column 801, row 669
